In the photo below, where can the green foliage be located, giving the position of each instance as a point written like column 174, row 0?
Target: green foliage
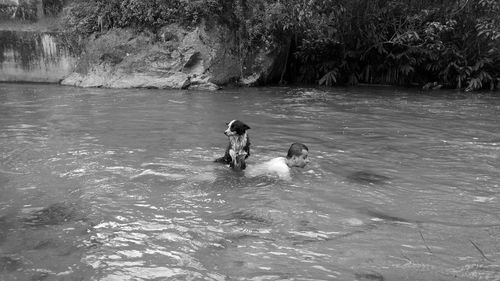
column 24, row 10
column 52, row 7
column 89, row 16
column 454, row 43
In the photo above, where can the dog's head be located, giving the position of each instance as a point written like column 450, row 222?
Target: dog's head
column 236, row 127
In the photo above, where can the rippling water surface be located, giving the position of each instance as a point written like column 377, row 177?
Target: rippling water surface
column 120, row 185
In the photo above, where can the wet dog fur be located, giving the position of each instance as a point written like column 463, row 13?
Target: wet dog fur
column 238, row 149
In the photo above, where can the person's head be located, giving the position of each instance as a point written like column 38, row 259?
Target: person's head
column 297, row 155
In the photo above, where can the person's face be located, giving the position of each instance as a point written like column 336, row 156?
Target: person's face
column 302, row 160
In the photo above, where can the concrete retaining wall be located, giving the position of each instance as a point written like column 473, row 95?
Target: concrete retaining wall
column 32, row 56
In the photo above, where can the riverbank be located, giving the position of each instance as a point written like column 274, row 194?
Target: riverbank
column 261, row 42
column 201, row 57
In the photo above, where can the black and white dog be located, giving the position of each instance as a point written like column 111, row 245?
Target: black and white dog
column 238, row 149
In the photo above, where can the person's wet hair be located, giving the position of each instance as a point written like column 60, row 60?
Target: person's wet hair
column 296, row 149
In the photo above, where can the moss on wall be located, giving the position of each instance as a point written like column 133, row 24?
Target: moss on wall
column 35, row 56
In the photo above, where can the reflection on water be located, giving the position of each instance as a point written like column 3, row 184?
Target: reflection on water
column 120, row 185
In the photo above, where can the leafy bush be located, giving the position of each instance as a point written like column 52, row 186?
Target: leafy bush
column 24, row 10
column 450, row 43
column 52, row 7
column 454, row 43
column 89, row 16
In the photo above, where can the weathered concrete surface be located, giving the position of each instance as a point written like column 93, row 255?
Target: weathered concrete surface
column 32, row 56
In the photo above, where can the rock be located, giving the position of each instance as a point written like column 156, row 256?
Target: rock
column 264, row 66
column 250, row 80
column 202, row 83
column 204, row 87
column 203, row 58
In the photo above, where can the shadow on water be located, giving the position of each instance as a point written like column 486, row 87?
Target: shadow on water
column 56, row 230
column 372, row 276
column 386, row 217
column 243, row 217
column 367, row 177
column 237, row 239
column 10, row 264
column 4, row 229
column 55, row 214
column 3, row 180
column 225, row 178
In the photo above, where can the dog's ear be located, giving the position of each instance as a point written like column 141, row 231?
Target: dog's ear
column 240, row 128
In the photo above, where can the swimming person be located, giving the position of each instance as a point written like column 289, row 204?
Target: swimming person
column 297, row 156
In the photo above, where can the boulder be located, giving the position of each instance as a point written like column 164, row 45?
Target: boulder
column 204, row 58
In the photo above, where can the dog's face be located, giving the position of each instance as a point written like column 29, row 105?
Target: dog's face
column 236, row 127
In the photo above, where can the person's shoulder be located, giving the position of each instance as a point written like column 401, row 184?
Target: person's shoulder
column 277, row 164
column 277, row 160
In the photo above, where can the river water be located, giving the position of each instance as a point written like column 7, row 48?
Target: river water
column 102, row 184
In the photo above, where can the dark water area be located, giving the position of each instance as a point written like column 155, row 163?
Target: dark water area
column 101, row 184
